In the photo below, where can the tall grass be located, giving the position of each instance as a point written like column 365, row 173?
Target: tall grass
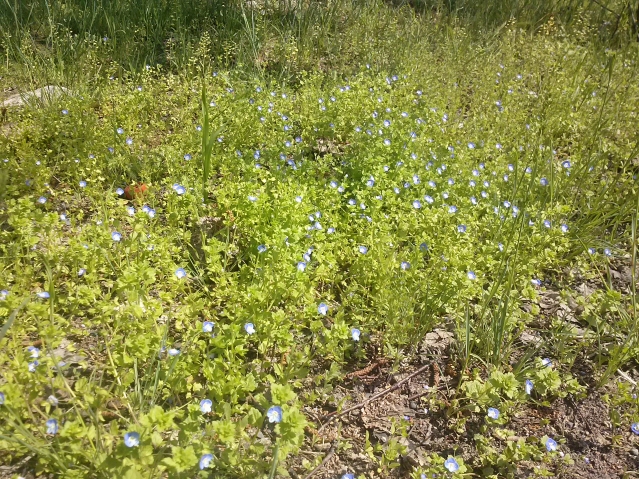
column 282, row 39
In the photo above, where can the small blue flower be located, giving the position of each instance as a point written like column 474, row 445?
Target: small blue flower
column 547, row 223
column 173, row 352
column 607, row 252
column 205, row 461
column 42, row 200
column 564, row 228
column 543, row 182
column 32, row 366
column 322, row 309
column 130, row 210
column 451, row 464
column 471, row 275
column 551, row 445
column 428, row 199
column 333, row 184
column 119, row 192
column 461, row 228
column 274, row 414
column 423, row 247
column 546, row 362
column 52, row 427
column 120, row 131
column 2, row 398
column 34, row 352
column 452, row 209
column 249, row 328
column 566, row 164
column 387, row 142
column 43, row 295
column 129, row 141
column 330, row 230
column 131, row 439
column 180, row 190
column 301, row 266
column 65, row 112
column 493, row 413
column 3, row 294
column 536, row 282
column 261, row 248
column 417, row 204
column 180, row 273
column 206, row 405
column 592, row 250
column 362, row 249
column 432, row 184
column 634, row 427
column 187, row 157
column 528, row 386
column 348, row 475
column 471, row 146
column 298, row 199
column 207, row 326
column 83, row 184
column 115, row 236
column 355, row 334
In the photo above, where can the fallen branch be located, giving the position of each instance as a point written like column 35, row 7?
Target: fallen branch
column 328, row 456
column 331, row 417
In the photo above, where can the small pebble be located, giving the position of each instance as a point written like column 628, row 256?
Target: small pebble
column 634, row 451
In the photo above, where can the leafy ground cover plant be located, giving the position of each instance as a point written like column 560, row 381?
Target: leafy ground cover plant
column 198, row 329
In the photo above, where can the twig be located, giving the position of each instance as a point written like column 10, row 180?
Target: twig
column 626, row 377
column 331, row 417
column 329, row 454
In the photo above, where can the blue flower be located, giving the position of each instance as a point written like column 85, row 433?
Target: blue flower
column 301, row 266
column 83, row 184
column 330, row 230
column 205, row 461
column 564, row 228
column 261, row 248
column 119, row 192
column 461, row 228
column 32, row 366
column 207, row 326
column 131, row 439
column 592, row 250
column 298, row 199
column 129, row 141
column 634, row 427
column 566, row 164
column 493, row 413
column 416, row 179
column 333, row 184
column 3, row 294
column 355, row 333
column 206, row 406
column 528, row 386
column 363, row 249
column 348, row 475
column 43, row 295
column 452, row 209
column 547, row 223
column 274, row 414
column 34, row 352
column 451, row 464
column 322, row 309
column 536, row 282
column 546, row 362
column 428, row 199
column 115, row 236
column 423, row 247
column 471, row 275
column 432, row 184
column 451, row 182
column 543, row 182
column 173, row 352
column 249, row 328
column 187, row 157
column 475, row 173
column 180, row 273
column 607, row 252
column 473, row 200
column 52, row 427
column 551, row 445
column 120, row 131
column 387, row 142
column 417, row 204
column 42, row 200
column 405, row 265
column 130, row 210
column 65, row 112
column 180, row 190
column 2, row 398
column 471, row 146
